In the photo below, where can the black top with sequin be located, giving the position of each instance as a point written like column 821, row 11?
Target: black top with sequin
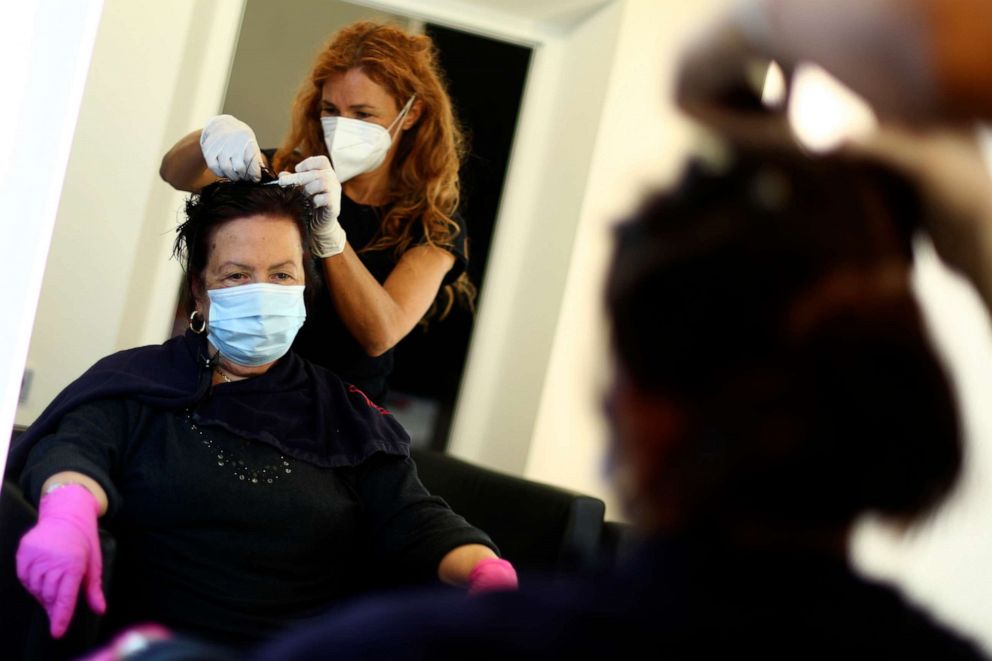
column 228, row 539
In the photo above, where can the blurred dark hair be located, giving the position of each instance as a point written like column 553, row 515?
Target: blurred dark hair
column 770, row 300
column 224, row 201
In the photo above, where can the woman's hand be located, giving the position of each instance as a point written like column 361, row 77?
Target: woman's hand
column 720, row 83
column 230, row 149
column 318, row 179
column 478, row 569
column 492, row 575
column 62, row 551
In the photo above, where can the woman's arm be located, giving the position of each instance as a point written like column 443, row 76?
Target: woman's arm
column 952, row 178
column 84, row 450
column 379, row 316
column 413, row 535
column 183, row 166
column 61, row 554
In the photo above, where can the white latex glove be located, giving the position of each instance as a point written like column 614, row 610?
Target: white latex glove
column 230, row 149
column 319, row 181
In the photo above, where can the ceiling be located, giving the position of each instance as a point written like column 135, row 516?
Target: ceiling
column 526, row 20
column 561, row 12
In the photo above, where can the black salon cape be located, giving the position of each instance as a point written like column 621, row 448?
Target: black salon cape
column 300, row 408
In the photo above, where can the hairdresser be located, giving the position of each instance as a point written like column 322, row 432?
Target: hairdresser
column 374, row 140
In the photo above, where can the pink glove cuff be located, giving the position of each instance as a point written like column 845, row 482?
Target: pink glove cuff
column 492, row 575
column 72, row 501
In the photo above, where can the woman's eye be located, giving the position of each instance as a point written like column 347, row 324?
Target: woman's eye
column 283, row 276
column 361, row 114
column 235, row 276
column 329, row 111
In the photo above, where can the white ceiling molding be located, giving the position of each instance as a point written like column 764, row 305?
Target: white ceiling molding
column 524, row 22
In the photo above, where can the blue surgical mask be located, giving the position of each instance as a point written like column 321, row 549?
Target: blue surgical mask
column 252, row 325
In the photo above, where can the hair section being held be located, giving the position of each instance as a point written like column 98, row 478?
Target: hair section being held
column 225, row 201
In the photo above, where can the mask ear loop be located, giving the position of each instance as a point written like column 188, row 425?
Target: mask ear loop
column 403, row 113
column 199, row 328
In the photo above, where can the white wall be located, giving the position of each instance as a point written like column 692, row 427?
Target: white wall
column 640, row 143
column 944, row 563
column 561, row 115
column 47, row 48
column 157, row 70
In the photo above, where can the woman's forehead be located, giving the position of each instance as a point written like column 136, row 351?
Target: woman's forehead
column 354, row 88
column 261, row 234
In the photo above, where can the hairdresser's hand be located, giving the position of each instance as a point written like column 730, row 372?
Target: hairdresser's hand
column 492, row 575
column 230, row 149
column 948, row 167
column 713, row 71
column 61, row 552
column 318, row 179
column 720, row 82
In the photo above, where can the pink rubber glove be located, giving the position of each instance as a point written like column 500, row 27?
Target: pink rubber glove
column 491, row 575
column 62, row 551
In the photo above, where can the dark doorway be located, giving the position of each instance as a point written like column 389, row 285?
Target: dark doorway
column 486, row 82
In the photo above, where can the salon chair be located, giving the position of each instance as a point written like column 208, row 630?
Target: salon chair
column 538, row 527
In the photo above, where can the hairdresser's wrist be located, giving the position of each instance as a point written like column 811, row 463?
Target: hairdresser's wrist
column 329, row 240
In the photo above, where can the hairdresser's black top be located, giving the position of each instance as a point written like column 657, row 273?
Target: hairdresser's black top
column 324, row 339
column 241, row 507
column 674, row 600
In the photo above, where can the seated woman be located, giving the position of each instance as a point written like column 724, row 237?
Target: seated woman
column 246, row 487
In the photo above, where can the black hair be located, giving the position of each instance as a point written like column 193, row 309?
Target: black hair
column 224, row 201
column 770, row 300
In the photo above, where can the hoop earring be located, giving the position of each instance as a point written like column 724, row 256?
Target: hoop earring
column 192, row 322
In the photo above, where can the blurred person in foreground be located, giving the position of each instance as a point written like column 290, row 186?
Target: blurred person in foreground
column 923, row 66
column 772, row 383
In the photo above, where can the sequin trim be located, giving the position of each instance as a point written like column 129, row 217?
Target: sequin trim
column 242, row 470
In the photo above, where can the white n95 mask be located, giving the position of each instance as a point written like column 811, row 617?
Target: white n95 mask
column 255, row 324
column 356, row 146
